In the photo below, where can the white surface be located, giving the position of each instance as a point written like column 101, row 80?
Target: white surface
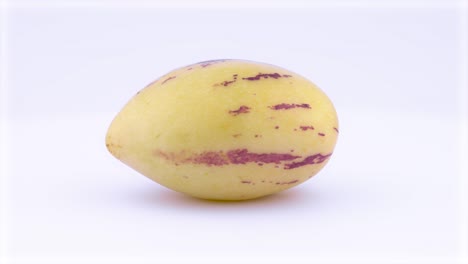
column 391, row 192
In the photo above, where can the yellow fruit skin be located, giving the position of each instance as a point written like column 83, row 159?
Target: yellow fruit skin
column 226, row 130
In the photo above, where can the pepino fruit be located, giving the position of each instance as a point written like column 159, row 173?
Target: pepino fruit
column 226, row 130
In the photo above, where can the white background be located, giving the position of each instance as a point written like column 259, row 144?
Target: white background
column 392, row 193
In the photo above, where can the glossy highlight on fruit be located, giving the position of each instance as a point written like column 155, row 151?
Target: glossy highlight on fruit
column 226, row 130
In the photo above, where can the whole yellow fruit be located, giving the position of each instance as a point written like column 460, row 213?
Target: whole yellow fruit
column 226, row 130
